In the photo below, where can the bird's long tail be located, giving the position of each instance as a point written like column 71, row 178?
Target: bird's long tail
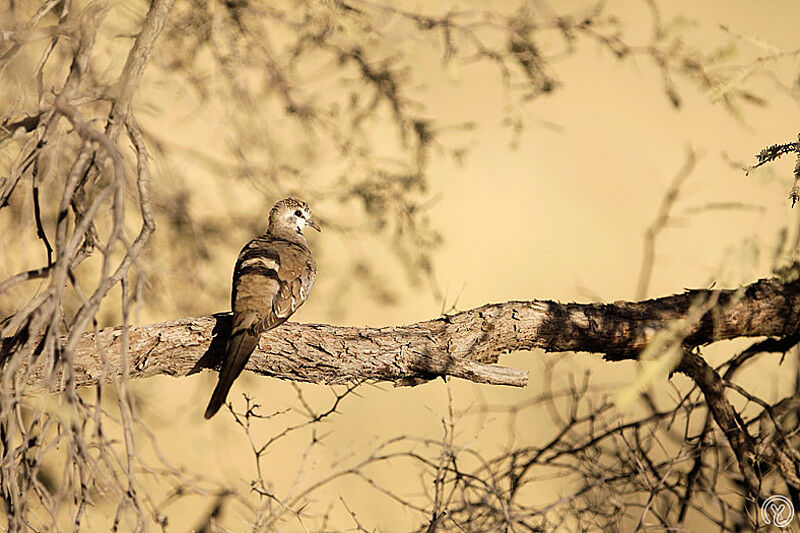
column 240, row 346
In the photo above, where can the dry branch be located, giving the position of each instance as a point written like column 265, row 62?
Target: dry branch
column 464, row 344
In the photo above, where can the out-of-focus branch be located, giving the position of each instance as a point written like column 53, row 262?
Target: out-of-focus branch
column 660, row 222
column 46, row 328
column 462, row 345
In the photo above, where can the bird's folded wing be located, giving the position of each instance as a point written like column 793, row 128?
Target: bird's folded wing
column 269, row 283
column 292, row 272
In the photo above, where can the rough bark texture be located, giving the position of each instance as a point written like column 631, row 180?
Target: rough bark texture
column 462, row 345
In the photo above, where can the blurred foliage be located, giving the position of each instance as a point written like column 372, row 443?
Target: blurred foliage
column 325, row 100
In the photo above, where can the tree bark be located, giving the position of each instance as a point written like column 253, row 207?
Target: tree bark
column 464, row 345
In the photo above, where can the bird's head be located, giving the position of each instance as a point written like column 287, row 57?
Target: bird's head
column 290, row 214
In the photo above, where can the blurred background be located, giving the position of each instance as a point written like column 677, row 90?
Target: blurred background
column 474, row 188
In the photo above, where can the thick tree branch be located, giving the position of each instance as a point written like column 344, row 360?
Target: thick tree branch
column 462, row 345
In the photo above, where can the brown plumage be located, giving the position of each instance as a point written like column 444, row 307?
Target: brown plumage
column 272, row 278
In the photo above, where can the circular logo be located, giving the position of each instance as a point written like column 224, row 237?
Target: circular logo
column 777, row 510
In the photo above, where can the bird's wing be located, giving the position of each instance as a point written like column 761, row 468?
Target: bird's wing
column 271, row 280
column 296, row 273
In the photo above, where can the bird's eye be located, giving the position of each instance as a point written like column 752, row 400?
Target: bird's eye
column 298, row 213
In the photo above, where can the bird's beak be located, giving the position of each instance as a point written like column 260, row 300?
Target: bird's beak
column 314, row 225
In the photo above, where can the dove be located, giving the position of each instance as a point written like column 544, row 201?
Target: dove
column 273, row 276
